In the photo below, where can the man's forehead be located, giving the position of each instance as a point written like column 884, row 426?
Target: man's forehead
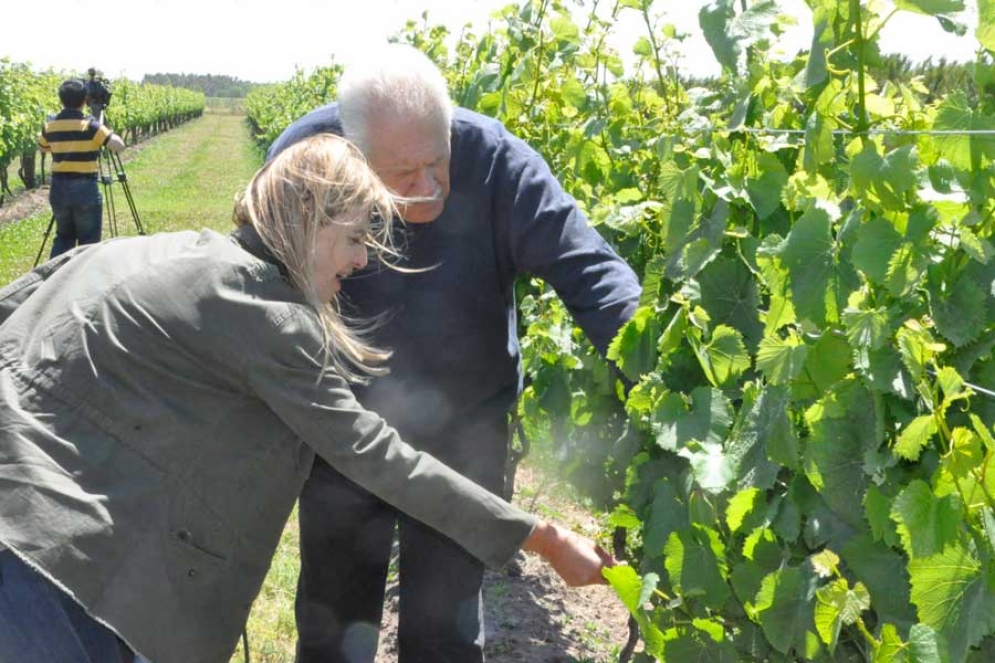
column 398, row 147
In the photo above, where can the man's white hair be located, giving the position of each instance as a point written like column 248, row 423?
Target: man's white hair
column 392, row 82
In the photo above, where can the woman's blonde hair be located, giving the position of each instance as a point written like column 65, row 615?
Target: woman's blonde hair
column 315, row 182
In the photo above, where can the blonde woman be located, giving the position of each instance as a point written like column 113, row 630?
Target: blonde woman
column 162, row 400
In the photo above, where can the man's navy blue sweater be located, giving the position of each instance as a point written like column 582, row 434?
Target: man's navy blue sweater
column 453, row 327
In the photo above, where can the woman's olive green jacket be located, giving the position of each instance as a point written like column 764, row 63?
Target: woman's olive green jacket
column 161, row 402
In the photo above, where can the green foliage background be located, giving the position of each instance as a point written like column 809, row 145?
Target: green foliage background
column 27, row 97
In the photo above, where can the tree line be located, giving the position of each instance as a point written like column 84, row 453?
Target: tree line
column 212, row 85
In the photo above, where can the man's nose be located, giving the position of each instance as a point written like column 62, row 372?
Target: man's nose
column 362, row 258
column 426, row 186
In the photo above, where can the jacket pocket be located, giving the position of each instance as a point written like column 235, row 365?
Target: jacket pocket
column 198, row 545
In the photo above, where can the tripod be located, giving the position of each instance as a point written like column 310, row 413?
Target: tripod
column 110, row 169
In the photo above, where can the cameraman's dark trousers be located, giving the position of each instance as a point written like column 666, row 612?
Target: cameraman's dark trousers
column 346, row 541
column 78, row 210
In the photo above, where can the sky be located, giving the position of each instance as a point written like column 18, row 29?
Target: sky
column 267, row 40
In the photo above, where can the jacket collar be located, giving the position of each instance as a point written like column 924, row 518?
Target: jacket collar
column 249, row 239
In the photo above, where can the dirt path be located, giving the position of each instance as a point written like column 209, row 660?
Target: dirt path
column 534, row 617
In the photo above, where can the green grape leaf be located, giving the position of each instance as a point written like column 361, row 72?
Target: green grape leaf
column 695, row 561
column 765, row 190
column 952, row 385
column 746, row 579
column 781, row 360
column 781, row 312
column 707, row 418
column 810, row 255
column 827, row 363
column 643, row 397
column 565, row 30
column 842, row 426
column 877, row 510
column 838, row 605
column 729, row 34
column 633, row 590
column 818, row 148
column 885, row 373
column 714, row 20
column 890, row 648
column 983, row 432
column 698, row 644
column 924, row 646
column 712, row 468
column 788, row 521
column 724, row 358
column 889, row 179
column 917, row 350
column 691, row 258
column 644, row 48
column 978, row 248
column 985, row 31
column 678, row 223
column 867, row 329
column 729, row 293
column 785, row 607
column 642, row 475
column 905, row 269
column 966, row 454
column 877, row 241
column 634, row 349
column 667, row 515
column 825, row 563
column 824, row 16
column 931, row 7
column 677, row 184
column 961, row 315
column 926, row 523
column 988, row 521
column 575, row 95
column 623, row 516
column 915, row 437
column 963, row 150
column 952, row 597
column 883, row 572
column 673, row 335
column 652, row 281
column 742, row 506
column 765, row 441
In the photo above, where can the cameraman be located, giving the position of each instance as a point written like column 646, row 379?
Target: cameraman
column 74, row 140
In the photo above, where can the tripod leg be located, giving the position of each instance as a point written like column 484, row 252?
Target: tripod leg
column 44, row 240
column 122, row 177
column 107, row 181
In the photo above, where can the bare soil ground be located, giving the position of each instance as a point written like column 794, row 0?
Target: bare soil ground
column 23, row 205
column 533, row 617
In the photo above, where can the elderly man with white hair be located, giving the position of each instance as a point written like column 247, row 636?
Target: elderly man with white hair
column 481, row 208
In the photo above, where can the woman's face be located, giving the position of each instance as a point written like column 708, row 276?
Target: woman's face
column 341, row 249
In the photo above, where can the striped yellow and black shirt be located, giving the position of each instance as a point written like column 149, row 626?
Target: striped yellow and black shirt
column 74, row 141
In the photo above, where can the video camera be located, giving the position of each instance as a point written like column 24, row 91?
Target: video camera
column 98, row 90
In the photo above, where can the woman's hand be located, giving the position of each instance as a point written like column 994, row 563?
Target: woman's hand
column 576, row 559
